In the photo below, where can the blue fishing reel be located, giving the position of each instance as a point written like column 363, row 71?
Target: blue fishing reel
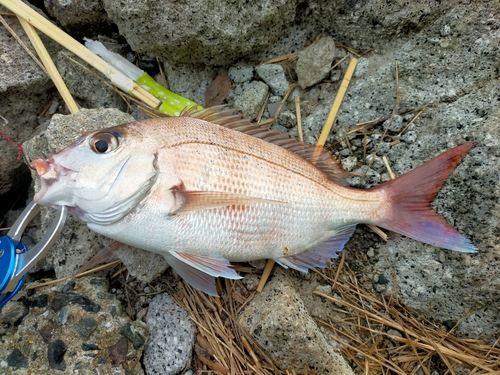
column 15, row 259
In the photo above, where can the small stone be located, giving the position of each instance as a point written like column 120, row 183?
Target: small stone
column 13, row 312
column 287, row 119
column 445, row 30
column 69, row 286
column 65, row 299
column 118, row 352
column 409, row 136
column 35, row 301
column 274, row 76
column 349, row 163
column 172, row 337
column 252, row 98
column 16, row 359
column 325, row 289
column 395, row 125
column 55, row 354
column 370, row 253
column 241, row 73
column 134, row 337
column 381, row 279
column 279, row 128
column 87, row 346
column 63, row 314
column 335, row 75
column 314, row 62
column 85, row 327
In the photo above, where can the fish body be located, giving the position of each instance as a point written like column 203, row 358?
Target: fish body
column 204, row 195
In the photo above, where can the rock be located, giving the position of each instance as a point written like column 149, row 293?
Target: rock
column 118, row 352
column 13, row 312
column 213, row 33
column 24, row 92
column 274, row 76
column 314, row 62
column 252, row 98
column 85, row 18
column 287, row 119
column 141, row 264
column 427, row 277
column 85, row 327
column 87, row 90
column 65, row 299
column 172, row 337
column 190, row 81
column 82, row 342
column 241, row 73
column 16, row 359
column 396, row 125
column 133, row 335
column 55, row 355
column 361, row 67
column 278, row 319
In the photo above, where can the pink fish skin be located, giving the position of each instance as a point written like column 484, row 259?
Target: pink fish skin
column 203, row 195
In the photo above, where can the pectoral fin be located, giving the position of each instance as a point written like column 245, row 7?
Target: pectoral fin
column 319, row 254
column 202, row 200
column 200, row 271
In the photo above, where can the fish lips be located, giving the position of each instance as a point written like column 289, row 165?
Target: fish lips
column 52, row 190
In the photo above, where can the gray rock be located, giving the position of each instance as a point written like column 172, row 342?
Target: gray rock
column 274, row 76
column 335, row 75
column 314, row 62
column 24, row 92
column 190, row 81
column 84, row 18
column 133, row 334
column 52, row 347
column 55, row 354
column 16, row 359
column 85, row 327
column 214, row 33
column 87, row 90
column 445, row 30
column 172, row 337
column 241, row 73
column 287, row 119
column 288, row 333
column 396, row 125
column 141, row 264
column 252, row 98
column 12, row 312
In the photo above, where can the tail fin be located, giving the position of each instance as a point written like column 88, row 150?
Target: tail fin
column 410, row 196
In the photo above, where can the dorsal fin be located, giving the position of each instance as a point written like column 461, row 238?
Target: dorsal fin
column 230, row 118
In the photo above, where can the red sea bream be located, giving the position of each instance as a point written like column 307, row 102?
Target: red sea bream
column 210, row 188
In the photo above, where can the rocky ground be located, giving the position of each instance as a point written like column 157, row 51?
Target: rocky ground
column 125, row 321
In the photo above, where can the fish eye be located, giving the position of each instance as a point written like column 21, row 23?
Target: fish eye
column 102, row 143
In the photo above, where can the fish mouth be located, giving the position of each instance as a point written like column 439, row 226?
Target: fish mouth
column 50, row 173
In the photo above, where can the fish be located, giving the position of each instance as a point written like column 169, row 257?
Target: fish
column 210, row 187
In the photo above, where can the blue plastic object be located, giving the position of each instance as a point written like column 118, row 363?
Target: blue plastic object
column 9, row 259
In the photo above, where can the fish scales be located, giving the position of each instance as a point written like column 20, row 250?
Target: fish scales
column 212, row 158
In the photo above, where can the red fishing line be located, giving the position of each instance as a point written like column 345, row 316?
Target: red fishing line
column 18, row 146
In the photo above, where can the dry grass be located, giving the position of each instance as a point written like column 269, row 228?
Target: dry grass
column 380, row 335
column 377, row 334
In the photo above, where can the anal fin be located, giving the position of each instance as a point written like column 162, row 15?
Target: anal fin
column 321, row 253
column 200, row 271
